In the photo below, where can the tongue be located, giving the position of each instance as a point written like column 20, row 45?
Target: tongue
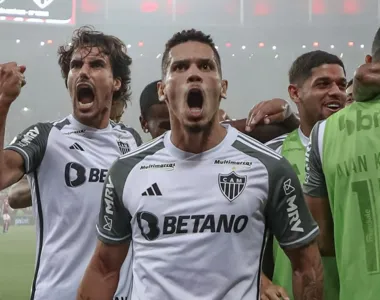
column 86, row 99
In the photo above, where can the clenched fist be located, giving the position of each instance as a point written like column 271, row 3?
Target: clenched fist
column 11, row 81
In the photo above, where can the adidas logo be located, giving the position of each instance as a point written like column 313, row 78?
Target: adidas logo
column 76, row 146
column 152, row 191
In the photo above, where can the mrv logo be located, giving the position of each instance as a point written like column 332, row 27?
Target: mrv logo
column 151, row 228
column 76, row 174
column 28, row 137
column 362, row 122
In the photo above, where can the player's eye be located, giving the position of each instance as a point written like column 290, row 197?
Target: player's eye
column 97, row 64
column 75, row 64
column 205, row 67
column 179, row 67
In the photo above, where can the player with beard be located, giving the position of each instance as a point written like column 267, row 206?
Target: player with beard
column 67, row 161
column 342, row 185
column 317, row 86
column 6, row 217
column 273, row 120
column 205, row 196
column 20, row 195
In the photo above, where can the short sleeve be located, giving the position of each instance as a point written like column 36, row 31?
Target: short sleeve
column 31, row 145
column 289, row 217
column 135, row 135
column 114, row 225
column 315, row 183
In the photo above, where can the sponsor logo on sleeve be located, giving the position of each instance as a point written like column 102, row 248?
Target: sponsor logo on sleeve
column 28, row 137
column 109, row 196
column 292, row 209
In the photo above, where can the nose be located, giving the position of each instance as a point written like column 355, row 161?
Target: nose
column 194, row 75
column 84, row 72
column 335, row 91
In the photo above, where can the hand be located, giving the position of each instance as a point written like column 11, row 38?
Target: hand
column 11, row 81
column 267, row 112
column 274, row 292
column 367, row 82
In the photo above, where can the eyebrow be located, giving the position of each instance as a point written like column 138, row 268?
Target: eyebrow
column 187, row 61
column 325, row 78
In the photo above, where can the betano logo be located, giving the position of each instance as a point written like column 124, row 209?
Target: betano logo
column 362, row 122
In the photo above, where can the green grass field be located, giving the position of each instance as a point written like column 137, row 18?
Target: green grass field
column 17, row 256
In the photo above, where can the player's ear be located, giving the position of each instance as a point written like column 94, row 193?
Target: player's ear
column 293, row 93
column 368, row 59
column 116, row 84
column 144, row 124
column 223, row 91
column 161, row 91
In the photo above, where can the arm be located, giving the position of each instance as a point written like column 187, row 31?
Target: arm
column 20, row 196
column 293, row 226
column 114, row 232
column 316, row 195
column 102, row 275
column 307, row 272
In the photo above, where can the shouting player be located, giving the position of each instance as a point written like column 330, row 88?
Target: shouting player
column 67, row 161
column 343, row 190
column 206, row 193
column 317, row 86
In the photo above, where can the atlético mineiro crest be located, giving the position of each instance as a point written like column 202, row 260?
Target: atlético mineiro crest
column 43, row 3
column 232, row 185
column 123, row 147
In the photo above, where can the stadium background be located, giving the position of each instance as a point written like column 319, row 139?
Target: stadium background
column 257, row 40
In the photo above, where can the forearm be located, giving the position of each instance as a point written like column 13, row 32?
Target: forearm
column 20, row 198
column 3, row 117
column 98, row 284
column 308, row 283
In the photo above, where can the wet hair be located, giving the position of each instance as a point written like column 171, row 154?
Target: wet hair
column 109, row 45
column 148, row 98
column 191, row 35
column 302, row 67
column 350, row 83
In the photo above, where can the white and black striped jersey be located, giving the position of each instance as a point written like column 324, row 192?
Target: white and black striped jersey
column 198, row 221
column 67, row 163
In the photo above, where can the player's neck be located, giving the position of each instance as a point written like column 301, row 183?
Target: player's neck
column 99, row 122
column 198, row 142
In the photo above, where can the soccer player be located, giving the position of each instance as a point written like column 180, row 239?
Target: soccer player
column 20, row 195
column 349, row 90
column 317, row 85
column 343, row 191
column 6, row 216
column 67, row 161
column 204, row 197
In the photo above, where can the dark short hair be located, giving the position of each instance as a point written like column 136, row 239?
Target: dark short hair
column 191, row 35
column 110, row 45
column 148, row 98
column 349, row 83
column 302, row 67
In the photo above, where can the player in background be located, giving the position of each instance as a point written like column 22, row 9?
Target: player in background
column 67, row 161
column 343, row 187
column 277, row 120
column 186, row 249
column 349, row 90
column 6, row 217
column 20, row 195
column 317, row 85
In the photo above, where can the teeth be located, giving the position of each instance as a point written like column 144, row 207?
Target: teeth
column 85, row 105
column 333, row 105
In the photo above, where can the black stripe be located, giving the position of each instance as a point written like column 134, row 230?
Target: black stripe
column 144, row 194
column 40, row 216
column 156, row 189
column 62, row 124
column 150, row 192
column 260, row 147
column 260, row 263
column 79, row 147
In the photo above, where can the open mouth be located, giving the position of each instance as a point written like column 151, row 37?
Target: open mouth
column 85, row 95
column 333, row 106
column 195, row 101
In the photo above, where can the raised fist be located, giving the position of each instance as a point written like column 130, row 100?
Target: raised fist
column 11, row 81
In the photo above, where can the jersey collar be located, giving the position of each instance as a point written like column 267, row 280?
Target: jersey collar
column 79, row 125
column 304, row 139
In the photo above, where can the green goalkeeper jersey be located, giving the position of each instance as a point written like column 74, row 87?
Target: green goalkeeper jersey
column 343, row 166
column 293, row 148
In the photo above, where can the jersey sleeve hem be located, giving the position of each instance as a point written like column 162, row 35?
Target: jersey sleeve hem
column 303, row 241
column 111, row 240
column 24, row 155
column 314, row 192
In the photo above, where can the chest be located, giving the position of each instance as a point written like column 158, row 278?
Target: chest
column 191, row 197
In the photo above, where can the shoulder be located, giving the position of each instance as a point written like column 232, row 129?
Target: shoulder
column 128, row 130
column 276, row 143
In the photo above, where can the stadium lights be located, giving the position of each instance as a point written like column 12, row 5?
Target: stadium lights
column 303, row 46
column 216, row 47
column 50, row 42
column 228, row 45
column 141, row 44
column 243, row 47
column 25, row 109
column 158, row 55
column 362, row 46
column 274, row 47
column 233, row 55
column 276, row 56
column 42, row 43
column 18, row 41
column 261, row 45
column 129, row 46
column 315, row 44
column 341, row 55
column 141, row 54
column 350, row 44
column 332, row 46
